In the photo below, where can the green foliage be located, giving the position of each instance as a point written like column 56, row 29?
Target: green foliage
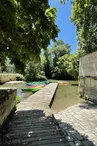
column 7, row 67
column 84, row 15
column 18, row 99
column 20, row 77
column 34, row 72
column 25, row 28
column 64, row 1
column 61, row 66
column 6, row 77
column 56, row 63
column 58, row 43
column 59, row 49
column 50, row 58
column 47, row 63
column 69, row 64
column 40, row 77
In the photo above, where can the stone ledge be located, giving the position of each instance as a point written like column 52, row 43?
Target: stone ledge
column 7, row 103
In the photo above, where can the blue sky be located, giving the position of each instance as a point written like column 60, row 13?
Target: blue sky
column 67, row 29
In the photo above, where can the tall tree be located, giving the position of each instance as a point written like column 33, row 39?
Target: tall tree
column 84, row 15
column 59, row 49
column 68, row 65
column 47, row 64
column 25, row 28
column 34, row 72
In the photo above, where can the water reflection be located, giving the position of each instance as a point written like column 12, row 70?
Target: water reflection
column 23, row 94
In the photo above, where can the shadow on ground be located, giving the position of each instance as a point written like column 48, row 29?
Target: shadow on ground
column 88, row 105
column 34, row 128
column 74, row 84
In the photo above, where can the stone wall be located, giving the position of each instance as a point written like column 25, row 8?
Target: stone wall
column 7, row 103
column 88, row 77
column 88, row 65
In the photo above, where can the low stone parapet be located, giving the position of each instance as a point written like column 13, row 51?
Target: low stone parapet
column 7, row 103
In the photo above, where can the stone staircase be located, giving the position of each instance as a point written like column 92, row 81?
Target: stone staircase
column 32, row 128
column 33, row 123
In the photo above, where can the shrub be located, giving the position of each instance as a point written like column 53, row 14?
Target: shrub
column 6, row 77
column 19, row 77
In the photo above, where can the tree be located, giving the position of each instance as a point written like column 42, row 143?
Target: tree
column 60, row 70
column 68, row 65
column 50, row 57
column 34, row 72
column 58, row 43
column 84, row 15
column 47, row 63
column 25, row 28
column 59, row 49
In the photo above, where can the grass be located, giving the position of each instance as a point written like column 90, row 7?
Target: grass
column 66, row 96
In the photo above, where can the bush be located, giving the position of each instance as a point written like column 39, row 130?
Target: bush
column 19, row 77
column 6, row 77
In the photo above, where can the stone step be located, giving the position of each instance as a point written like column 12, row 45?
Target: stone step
column 28, row 113
column 31, row 124
column 57, row 144
column 34, row 131
column 32, row 121
column 30, row 129
column 27, row 116
column 38, row 142
column 26, row 127
column 17, row 136
column 36, row 138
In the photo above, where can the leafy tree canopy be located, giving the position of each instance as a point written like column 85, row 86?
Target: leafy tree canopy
column 84, row 15
column 69, row 64
column 34, row 72
column 59, row 49
column 47, row 63
column 25, row 28
column 50, row 58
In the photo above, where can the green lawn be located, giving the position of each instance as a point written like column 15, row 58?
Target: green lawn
column 66, row 96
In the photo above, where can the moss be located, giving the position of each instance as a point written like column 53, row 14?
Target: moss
column 18, row 99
